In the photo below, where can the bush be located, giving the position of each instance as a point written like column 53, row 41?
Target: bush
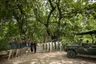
column 4, row 45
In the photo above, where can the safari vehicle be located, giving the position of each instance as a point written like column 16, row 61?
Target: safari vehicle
column 84, row 49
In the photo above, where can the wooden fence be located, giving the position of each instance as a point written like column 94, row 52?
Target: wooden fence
column 50, row 46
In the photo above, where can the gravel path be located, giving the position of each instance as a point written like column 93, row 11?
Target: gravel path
column 48, row 58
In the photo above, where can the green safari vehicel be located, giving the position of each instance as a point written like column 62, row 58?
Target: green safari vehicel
column 85, row 49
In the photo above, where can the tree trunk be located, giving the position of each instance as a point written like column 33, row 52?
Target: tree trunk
column 46, row 46
column 49, row 46
column 55, row 45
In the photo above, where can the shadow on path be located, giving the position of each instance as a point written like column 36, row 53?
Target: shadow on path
column 57, row 57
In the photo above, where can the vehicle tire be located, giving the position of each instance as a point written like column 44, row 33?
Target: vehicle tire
column 71, row 54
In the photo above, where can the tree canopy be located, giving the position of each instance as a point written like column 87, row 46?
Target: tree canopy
column 45, row 20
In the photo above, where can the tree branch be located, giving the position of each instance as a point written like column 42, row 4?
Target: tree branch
column 49, row 15
column 51, row 3
column 59, row 9
column 60, row 17
column 36, row 16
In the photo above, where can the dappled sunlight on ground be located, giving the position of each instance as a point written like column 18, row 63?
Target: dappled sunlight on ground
column 48, row 58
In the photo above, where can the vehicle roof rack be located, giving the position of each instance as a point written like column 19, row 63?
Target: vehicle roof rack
column 87, row 32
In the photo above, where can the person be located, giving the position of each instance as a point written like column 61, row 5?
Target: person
column 18, row 49
column 87, row 41
column 28, row 46
column 24, row 47
column 80, row 41
column 31, row 45
column 12, row 49
column 21, row 48
column 86, row 45
column 35, row 47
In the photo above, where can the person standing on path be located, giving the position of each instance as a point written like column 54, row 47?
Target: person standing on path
column 12, row 49
column 31, row 45
column 18, row 49
column 35, row 46
column 28, row 46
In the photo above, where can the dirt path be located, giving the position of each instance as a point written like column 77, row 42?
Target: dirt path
column 48, row 58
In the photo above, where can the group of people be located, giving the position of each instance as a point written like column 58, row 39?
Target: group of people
column 20, row 48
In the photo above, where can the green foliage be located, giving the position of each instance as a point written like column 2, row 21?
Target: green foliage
column 45, row 20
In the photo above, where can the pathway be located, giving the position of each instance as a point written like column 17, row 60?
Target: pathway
column 58, row 57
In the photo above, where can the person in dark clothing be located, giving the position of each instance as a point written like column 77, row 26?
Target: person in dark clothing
column 31, row 46
column 21, row 48
column 35, row 47
column 24, row 47
column 12, row 44
column 87, row 41
column 80, row 41
column 18, row 49
column 12, row 49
